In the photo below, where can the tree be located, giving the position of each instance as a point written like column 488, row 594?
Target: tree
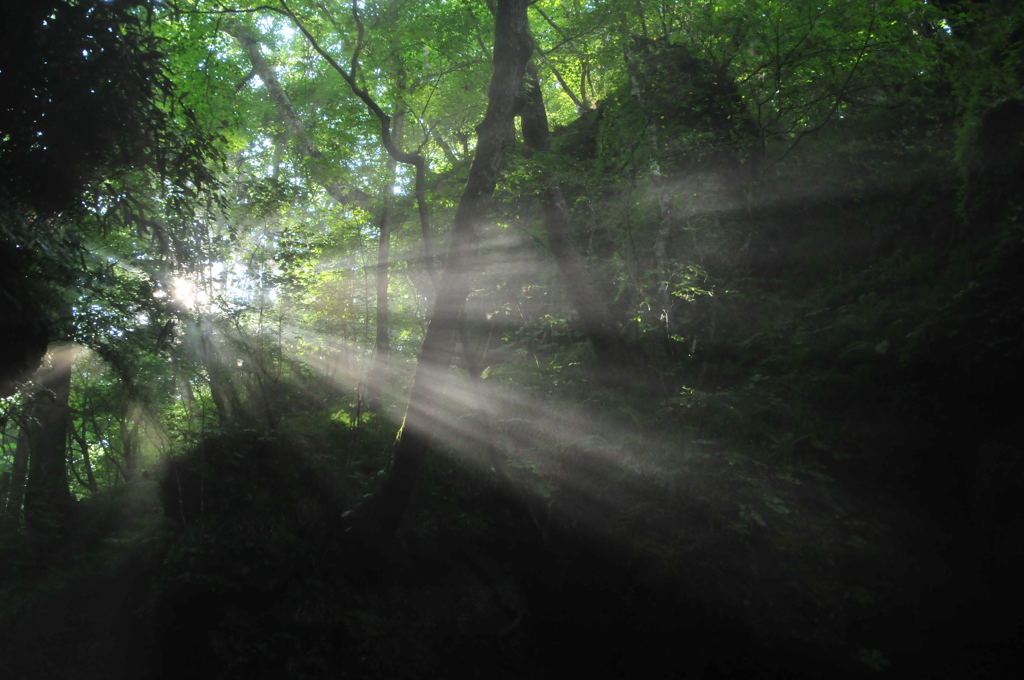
column 597, row 323
column 495, row 138
column 67, row 67
column 48, row 501
column 304, row 144
column 14, row 496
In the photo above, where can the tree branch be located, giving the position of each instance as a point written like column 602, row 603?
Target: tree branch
column 561, row 81
column 415, row 160
column 296, row 129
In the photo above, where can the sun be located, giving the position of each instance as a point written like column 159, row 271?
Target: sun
column 187, row 293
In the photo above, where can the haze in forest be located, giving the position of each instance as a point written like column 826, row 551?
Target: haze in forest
column 400, row 339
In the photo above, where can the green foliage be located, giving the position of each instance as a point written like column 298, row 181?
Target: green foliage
column 89, row 66
column 765, row 196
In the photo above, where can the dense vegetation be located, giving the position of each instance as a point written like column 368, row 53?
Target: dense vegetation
column 617, row 338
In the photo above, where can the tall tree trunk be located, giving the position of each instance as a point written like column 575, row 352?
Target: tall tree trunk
column 446, row 149
column 19, row 470
column 495, row 137
column 130, row 440
column 597, row 322
column 48, row 501
column 5, row 487
column 225, row 399
column 382, row 344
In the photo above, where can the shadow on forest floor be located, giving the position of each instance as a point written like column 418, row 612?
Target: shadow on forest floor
column 717, row 567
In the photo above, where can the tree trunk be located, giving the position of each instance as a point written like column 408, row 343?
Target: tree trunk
column 495, row 137
column 382, row 344
column 83, row 444
column 218, row 392
column 16, row 489
column 597, row 322
column 5, row 487
column 130, row 441
column 446, row 149
column 48, row 500
column 225, row 399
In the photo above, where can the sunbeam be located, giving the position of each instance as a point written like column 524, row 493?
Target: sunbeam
column 511, row 339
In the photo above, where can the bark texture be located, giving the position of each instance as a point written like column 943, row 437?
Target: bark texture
column 48, row 501
column 16, row 486
column 495, row 137
column 382, row 344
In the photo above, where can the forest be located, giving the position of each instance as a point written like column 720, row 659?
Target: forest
column 511, row 338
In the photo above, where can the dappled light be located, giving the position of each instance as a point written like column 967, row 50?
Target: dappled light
column 510, row 339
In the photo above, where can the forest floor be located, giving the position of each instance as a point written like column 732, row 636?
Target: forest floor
column 675, row 558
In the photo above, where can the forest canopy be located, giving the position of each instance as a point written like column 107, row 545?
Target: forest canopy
column 687, row 276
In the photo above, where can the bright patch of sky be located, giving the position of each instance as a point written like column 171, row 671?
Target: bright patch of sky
column 270, row 25
column 189, row 294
